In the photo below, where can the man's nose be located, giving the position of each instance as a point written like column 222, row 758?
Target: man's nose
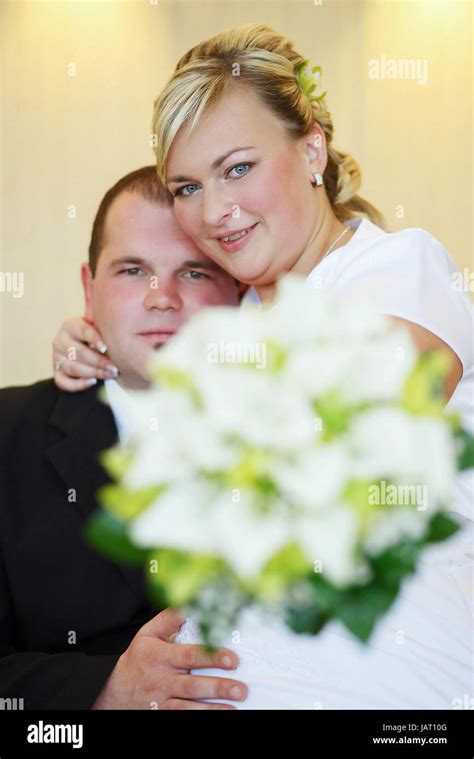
column 216, row 206
column 162, row 294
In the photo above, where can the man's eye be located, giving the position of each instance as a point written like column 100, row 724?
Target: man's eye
column 196, row 274
column 180, row 192
column 237, row 169
column 133, row 271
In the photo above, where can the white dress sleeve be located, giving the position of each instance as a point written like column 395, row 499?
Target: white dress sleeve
column 409, row 274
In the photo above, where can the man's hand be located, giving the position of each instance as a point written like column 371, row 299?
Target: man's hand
column 154, row 673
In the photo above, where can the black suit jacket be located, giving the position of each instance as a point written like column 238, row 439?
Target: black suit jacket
column 66, row 612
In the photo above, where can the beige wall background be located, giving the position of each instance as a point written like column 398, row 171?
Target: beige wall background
column 78, row 80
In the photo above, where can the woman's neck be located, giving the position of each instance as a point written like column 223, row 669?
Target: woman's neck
column 317, row 248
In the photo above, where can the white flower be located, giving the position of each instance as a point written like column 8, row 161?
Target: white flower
column 302, row 315
column 391, row 443
column 172, row 443
column 316, row 369
column 393, row 526
column 380, row 367
column 298, row 316
column 245, row 538
column 254, row 406
column 177, row 519
column 206, row 332
column 315, row 479
column 329, row 540
column 190, row 518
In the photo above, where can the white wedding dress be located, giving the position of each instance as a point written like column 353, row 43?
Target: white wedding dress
column 421, row 653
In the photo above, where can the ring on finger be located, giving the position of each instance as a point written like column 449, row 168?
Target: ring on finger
column 58, row 364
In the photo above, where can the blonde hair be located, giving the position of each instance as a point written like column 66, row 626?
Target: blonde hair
column 258, row 57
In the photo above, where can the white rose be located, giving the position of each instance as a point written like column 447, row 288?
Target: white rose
column 329, row 539
column 410, row 449
column 177, row 519
column 315, row 479
column 245, row 538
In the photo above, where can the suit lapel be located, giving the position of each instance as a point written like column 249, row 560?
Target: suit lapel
column 89, row 428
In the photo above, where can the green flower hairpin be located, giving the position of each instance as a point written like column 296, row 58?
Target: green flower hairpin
column 306, row 78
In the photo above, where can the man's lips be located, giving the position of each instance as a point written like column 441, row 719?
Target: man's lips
column 157, row 332
column 155, row 336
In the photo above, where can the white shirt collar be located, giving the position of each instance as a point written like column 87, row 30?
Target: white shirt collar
column 120, row 403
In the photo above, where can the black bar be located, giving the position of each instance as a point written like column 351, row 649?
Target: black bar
column 317, row 733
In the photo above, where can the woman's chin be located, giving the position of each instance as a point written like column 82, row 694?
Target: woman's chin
column 258, row 279
column 254, row 273
column 243, row 266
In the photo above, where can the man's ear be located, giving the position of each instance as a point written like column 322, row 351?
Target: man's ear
column 315, row 149
column 88, row 286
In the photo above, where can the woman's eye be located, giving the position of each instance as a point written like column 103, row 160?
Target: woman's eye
column 238, row 169
column 181, row 191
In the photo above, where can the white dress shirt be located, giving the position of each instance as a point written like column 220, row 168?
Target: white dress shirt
column 120, row 404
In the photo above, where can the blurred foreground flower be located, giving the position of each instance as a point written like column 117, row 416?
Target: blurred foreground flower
column 296, row 457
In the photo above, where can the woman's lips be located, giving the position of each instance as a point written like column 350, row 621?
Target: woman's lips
column 233, row 245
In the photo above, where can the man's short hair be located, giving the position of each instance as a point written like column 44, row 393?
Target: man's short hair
column 143, row 181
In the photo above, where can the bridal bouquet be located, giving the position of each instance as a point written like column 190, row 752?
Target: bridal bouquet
column 296, row 457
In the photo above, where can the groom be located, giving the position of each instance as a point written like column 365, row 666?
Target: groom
column 77, row 630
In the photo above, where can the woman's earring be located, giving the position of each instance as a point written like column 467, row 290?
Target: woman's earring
column 318, row 178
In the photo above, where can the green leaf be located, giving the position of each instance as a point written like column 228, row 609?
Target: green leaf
column 157, row 595
column 127, row 504
column 360, row 609
column 252, row 472
column 357, row 607
column 116, row 461
column 466, row 445
column 109, row 536
column 310, row 604
column 180, row 574
column 305, row 75
column 307, row 619
column 178, row 379
column 441, row 527
column 283, row 568
column 423, row 392
column 357, row 493
column 395, row 563
column 334, row 413
column 276, row 356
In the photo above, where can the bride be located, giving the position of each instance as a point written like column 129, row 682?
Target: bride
column 246, row 150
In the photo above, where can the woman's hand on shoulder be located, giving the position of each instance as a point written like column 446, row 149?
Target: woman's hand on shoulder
column 80, row 356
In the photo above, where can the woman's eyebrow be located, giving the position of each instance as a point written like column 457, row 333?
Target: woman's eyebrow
column 214, row 165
